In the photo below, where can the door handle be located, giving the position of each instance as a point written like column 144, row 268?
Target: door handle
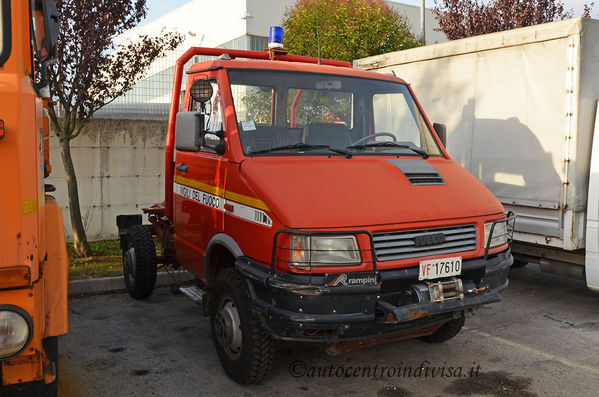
column 182, row 167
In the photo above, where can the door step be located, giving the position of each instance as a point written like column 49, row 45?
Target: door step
column 194, row 293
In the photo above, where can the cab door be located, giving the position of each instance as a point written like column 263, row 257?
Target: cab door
column 200, row 176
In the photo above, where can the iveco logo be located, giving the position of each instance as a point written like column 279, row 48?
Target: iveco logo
column 429, row 239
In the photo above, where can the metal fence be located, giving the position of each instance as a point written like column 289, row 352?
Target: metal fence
column 150, row 97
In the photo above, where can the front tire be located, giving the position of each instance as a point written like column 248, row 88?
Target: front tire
column 246, row 351
column 447, row 331
column 139, row 262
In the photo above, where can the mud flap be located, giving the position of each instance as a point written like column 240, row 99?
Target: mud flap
column 124, row 222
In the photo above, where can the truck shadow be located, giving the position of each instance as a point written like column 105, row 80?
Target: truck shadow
column 507, row 157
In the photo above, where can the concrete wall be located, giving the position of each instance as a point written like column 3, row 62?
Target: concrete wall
column 120, row 168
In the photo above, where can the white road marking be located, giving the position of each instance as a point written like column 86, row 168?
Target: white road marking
column 549, row 356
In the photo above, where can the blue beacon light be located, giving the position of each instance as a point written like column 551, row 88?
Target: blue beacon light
column 275, row 39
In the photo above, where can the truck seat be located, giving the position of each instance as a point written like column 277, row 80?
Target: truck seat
column 259, row 139
column 287, row 135
column 330, row 134
column 264, row 137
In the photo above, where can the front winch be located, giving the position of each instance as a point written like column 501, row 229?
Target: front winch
column 446, row 290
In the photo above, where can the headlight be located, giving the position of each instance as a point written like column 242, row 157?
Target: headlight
column 14, row 333
column 308, row 251
column 499, row 234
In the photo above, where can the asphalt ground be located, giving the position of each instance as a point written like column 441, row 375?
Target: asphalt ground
column 541, row 340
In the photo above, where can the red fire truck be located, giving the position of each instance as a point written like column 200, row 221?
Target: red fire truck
column 314, row 202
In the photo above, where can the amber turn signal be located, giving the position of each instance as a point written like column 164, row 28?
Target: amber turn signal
column 14, row 277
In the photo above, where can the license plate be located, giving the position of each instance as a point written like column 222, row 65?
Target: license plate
column 438, row 268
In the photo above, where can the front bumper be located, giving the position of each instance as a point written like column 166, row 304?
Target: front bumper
column 307, row 308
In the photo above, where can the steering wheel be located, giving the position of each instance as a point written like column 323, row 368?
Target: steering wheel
column 374, row 136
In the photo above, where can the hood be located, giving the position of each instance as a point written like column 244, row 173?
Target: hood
column 336, row 192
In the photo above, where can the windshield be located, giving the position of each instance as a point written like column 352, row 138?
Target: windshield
column 285, row 113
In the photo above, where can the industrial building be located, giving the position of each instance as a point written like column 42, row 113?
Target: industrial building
column 235, row 24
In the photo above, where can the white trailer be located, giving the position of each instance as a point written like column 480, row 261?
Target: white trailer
column 520, row 108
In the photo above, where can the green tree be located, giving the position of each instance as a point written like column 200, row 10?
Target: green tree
column 347, row 29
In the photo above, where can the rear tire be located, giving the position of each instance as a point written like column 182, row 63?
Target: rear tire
column 139, row 262
column 446, row 332
column 246, row 351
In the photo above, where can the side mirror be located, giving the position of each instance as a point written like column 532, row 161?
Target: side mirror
column 51, row 25
column 188, row 130
column 220, row 148
column 214, row 140
column 45, row 28
column 441, row 130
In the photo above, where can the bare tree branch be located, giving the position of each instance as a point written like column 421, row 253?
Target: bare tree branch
column 91, row 72
column 464, row 18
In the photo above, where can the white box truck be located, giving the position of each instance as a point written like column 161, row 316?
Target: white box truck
column 520, row 109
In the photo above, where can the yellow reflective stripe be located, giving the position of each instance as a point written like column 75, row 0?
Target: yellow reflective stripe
column 246, row 200
column 217, row 191
column 30, row 206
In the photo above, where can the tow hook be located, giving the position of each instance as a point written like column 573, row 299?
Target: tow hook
column 479, row 290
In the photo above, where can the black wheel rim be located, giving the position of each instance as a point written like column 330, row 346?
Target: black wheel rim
column 129, row 265
column 227, row 327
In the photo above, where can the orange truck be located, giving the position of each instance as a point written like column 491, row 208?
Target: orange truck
column 316, row 203
column 33, row 258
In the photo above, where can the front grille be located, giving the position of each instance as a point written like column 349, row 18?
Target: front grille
column 405, row 244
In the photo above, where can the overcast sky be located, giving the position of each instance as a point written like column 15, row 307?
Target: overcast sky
column 157, row 8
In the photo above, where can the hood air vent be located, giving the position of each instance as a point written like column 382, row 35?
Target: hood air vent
column 418, row 172
column 425, row 179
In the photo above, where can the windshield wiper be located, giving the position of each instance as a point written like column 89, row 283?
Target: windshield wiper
column 390, row 144
column 304, row 146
